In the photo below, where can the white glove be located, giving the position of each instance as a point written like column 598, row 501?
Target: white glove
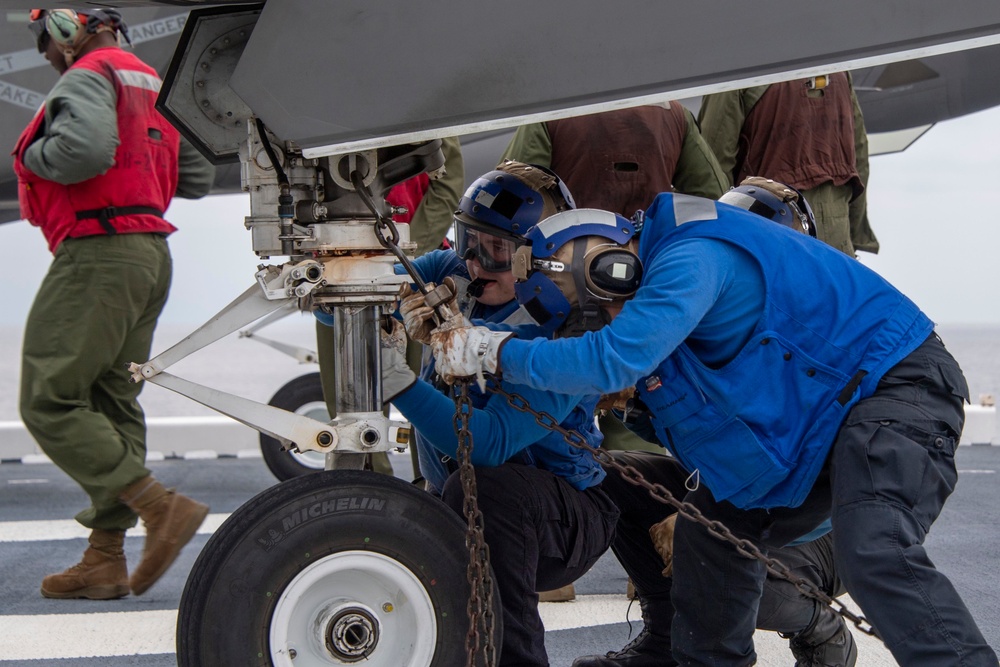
column 396, row 375
column 461, row 350
column 395, row 337
column 417, row 315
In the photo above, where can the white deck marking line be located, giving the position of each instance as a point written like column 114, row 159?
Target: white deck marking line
column 68, row 529
column 152, row 632
column 88, row 635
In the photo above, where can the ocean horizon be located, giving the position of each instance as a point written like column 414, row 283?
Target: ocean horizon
column 248, row 368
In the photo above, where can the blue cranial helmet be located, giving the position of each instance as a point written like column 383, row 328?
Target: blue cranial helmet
column 775, row 201
column 578, row 261
column 500, row 206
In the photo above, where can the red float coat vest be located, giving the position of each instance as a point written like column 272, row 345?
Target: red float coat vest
column 801, row 140
column 143, row 179
column 618, row 160
column 408, row 194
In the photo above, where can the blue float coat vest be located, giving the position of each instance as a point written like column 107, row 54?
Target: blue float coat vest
column 759, row 428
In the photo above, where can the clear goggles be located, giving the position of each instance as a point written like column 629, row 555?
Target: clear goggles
column 493, row 252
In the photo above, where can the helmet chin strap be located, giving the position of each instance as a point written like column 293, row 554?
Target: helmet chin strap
column 476, row 287
column 583, row 319
column 586, row 315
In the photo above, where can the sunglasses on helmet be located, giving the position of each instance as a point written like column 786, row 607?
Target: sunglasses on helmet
column 39, row 29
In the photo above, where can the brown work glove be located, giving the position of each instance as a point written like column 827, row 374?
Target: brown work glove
column 662, row 535
column 418, row 317
column 616, row 401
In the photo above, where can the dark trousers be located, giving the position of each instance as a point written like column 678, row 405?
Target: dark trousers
column 782, row 607
column 542, row 534
column 889, row 472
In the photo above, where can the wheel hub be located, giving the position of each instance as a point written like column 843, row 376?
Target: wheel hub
column 336, row 610
column 352, row 634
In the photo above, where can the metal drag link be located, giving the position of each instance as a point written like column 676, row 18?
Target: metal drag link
column 480, row 607
column 660, row 493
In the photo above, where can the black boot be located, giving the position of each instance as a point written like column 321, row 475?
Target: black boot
column 826, row 643
column 650, row 648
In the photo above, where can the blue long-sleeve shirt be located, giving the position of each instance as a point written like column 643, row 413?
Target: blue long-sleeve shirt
column 500, row 433
column 681, row 300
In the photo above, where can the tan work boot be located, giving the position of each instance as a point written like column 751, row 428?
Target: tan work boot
column 171, row 521
column 564, row 594
column 101, row 575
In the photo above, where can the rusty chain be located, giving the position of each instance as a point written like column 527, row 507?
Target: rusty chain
column 661, row 494
column 481, row 588
column 480, row 605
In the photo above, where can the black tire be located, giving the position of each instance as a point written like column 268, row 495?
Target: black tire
column 264, row 560
column 303, row 396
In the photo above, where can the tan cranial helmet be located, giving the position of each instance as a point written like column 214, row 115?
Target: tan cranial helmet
column 776, row 201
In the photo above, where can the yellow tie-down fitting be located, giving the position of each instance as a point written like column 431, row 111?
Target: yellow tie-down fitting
column 818, row 82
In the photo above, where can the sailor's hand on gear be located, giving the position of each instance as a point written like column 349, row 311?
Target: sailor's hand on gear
column 662, row 535
column 461, row 350
column 395, row 337
column 418, row 316
column 396, row 375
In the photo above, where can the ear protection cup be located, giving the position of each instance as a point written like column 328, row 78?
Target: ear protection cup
column 65, row 27
column 613, row 273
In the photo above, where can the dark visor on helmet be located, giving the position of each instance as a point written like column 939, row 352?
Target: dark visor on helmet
column 38, row 29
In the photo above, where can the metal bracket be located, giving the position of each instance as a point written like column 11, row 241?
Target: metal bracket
column 348, row 433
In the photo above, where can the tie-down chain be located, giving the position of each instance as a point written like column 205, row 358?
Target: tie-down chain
column 661, row 494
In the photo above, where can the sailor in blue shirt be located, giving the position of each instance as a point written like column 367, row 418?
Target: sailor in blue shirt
column 793, row 383
column 546, row 519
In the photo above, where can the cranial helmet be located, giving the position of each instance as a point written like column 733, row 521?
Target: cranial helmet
column 578, row 261
column 70, row 28
column 500, row 206
column 776, row 201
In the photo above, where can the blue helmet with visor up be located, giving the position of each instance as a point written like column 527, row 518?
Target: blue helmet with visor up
column 500, row 206
column 577, row 263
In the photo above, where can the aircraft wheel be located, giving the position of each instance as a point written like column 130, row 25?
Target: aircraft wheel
column 303, row 396
column 334, row 568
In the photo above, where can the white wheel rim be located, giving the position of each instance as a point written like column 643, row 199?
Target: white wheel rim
column 377, row 600
column 311, row 459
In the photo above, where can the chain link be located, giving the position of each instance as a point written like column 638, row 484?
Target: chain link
column 480, row 605
column 661, row 494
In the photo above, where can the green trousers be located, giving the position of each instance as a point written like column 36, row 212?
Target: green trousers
column 94, row 313
column 831, row 204
column 618, row 438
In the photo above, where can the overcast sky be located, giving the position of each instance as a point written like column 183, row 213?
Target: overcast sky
column 933, row 207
